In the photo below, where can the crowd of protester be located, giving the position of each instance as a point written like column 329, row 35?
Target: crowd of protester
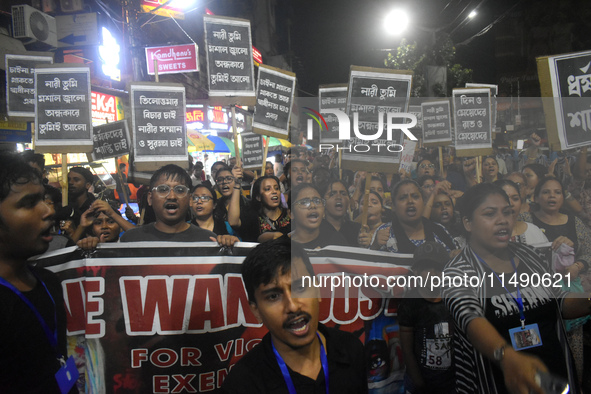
column 482, row 223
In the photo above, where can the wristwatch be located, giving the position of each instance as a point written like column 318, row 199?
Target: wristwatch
column 499, row 354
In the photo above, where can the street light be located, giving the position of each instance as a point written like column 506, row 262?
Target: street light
column 472, row 14
column 396, row 22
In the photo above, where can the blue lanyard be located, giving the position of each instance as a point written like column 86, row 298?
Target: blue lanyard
column 285, row 371
column 519, row 299
column 49, row 333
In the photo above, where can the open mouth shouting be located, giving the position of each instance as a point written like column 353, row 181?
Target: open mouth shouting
column 411, row 211
column 298, row 325
column 503, row 235
column 171, row 207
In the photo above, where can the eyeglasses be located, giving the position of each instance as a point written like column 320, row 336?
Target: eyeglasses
column 300, row 170
column 307, row 202
column 164, row 190
column 427, row 166
column 196, row 199
column 222, row 180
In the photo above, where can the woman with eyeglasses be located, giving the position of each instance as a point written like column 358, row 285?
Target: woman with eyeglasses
column 307, row 213
column 410, row 228
column 273, row 218
column 507, row 332
column 232, row 208
column 203, row 202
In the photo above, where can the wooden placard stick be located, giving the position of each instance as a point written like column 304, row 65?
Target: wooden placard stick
column 265, row 153
column 366, row 199
column 64, row 179
column 123, row 188
column 236, row 147
column 440, row 160
column 156, row 78
column 340, row 153
column 478, row 169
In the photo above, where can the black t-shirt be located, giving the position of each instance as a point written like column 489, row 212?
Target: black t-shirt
column 502, row 312
column 28, row 363
column 149, row 232
column 326, row 238
column 349, row 230
column 258, row 371
column 432, row 332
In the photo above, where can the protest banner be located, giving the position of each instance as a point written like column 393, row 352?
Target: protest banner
column 174, row 317
column 472, row 120
column 158, row 125
column 20, row 83
column 565, row 83
column 230, row 67
column 252, row 150
column 377, row 101
column 275, row 93
column 436, row 123
column 331, row 96
column 110, row 140
column 63, row 115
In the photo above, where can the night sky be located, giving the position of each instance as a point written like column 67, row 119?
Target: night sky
column 330, row 35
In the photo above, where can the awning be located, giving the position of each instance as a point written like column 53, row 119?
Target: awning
column 278, row 144
column 198, row 142
column 222, row 145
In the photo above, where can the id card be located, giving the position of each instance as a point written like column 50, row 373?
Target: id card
column 525, row 338
column 67, row 375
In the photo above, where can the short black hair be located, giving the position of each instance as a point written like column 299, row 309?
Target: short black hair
column 32, row 157
column 14, row 170
column 85, row 172
column 270, row 259
column 172, row 172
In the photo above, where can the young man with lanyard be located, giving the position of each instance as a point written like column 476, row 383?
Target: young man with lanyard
column 32, row 315
column 297, row 355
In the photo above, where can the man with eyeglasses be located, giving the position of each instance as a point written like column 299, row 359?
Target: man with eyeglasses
column 169, row 197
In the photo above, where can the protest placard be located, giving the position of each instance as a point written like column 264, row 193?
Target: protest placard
column 275, row 93
column 436, row 123
column 565, row 82
column 377, row 107
column 158, row 125
column 331, row 96
column 20, row 84
column 110, row 140
column 230, row 67
column 63, row 109
column 252, row 150
column 472, row 122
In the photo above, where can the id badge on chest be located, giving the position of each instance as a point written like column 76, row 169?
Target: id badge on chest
column 67, row 375
column 525, row 337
